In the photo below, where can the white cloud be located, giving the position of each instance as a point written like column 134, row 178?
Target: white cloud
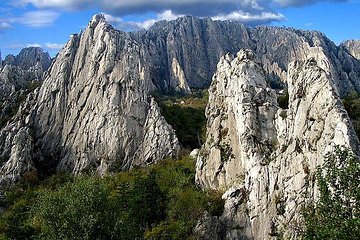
column 58, row 4
column 246, row 17
column 37, row 18
column 299, row 3
column 166, row 15
column 33, row 45
column 132, row 25
column 4, row 25
column 247, row 11
column 54, row 46
column 236, row 10
column 136, row 6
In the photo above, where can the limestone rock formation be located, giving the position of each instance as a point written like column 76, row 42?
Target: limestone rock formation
column 264, row 156
column 16, row 83
column 353, row 47
column 29, row 58
column 185, row 52
column 93, row 110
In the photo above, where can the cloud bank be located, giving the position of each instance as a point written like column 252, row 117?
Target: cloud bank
column 251, row 12
column 300, row 3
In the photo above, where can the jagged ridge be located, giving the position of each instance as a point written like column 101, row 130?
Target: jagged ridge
column 264, row 156
column 92, row 111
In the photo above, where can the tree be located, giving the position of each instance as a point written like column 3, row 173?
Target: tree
column 336, row 213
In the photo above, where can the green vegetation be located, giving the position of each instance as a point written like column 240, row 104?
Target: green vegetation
column 352, row 106
column 336, row 215
column 186, row 114
column 157, row 202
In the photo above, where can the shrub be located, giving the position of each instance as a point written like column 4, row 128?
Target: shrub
column 336, row 215
column 352, row 106
column 157, row 202
column 186, row 115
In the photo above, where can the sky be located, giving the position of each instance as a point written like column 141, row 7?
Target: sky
column 49, row 23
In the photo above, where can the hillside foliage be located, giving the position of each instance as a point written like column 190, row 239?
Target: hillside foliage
column 336, row 215
column 158, row 202
column 186, row 114
column 352, row 106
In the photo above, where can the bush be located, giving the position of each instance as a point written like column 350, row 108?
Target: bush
column 186, row 115
column 336, row 215
column 78, row 210
column 352, row 106
column 157, row 202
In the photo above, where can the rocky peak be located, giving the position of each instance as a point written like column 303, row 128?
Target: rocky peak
column 92, row 111
column 245, row 55
column 29, row 58
column 97, row 18
column 262, row 156
column 198, row 44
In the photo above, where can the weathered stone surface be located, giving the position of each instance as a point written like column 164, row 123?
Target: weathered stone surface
column 29, row 58
column 186, row 52
column 353, row 47
column 20, row 160
column 93, row 110
column 15, row 84
column 266, row 155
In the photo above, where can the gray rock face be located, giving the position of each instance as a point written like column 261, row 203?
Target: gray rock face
column 15, row 84
column 13, row 79
column 263, row 156
column 93, row 109
column 185, row 52
column 28, row 58
column 353, row 47
column 191, row 46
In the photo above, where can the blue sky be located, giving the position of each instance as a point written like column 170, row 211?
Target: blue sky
column 48, row 23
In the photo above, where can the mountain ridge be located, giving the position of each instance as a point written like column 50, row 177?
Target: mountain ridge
column 123, row 69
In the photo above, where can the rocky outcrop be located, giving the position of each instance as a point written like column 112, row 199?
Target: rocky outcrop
column 29, row 58
column 353, row 47
column 189, row 49
column 15, row 84
column 93, row 110
column 264, row 156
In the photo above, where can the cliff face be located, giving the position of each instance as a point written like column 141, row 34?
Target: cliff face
column 16, row 83
column 192, row 47
column 194, row 44
column 183, row 54
column 91, row 112
column 353, row 47
column 29, row 58
column 264, row 156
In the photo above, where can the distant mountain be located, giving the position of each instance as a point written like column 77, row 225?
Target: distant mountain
column 19, row 75
column 28, row 58
column 184, row 53
column 94, row 110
